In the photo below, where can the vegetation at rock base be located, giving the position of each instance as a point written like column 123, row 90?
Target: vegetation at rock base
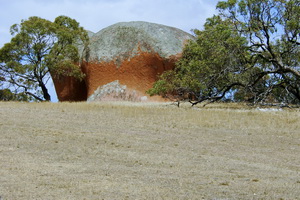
column 40, row 47
column 249, row 52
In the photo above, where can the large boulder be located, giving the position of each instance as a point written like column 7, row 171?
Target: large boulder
column 134, row 53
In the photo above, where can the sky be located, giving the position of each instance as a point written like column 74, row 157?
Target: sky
column 95, row 15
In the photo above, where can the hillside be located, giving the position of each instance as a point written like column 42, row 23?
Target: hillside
column 147, row 151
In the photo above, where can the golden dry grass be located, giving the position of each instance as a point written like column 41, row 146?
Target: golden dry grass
column 147, row 151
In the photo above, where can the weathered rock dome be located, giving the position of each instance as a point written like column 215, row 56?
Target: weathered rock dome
column 134, row 53
column 127, row 39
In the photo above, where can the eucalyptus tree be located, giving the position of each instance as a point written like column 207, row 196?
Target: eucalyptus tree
column 250, row 50
column 272, row 29
column 211, row 65
column 40, row 49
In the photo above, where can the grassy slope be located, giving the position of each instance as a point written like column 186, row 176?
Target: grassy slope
column 114, row 151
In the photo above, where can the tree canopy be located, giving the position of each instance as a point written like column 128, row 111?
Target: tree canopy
column 249, row 51
column 40, row 49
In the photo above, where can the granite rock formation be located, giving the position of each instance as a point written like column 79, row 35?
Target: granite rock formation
column 114, row 91
column 132, row 53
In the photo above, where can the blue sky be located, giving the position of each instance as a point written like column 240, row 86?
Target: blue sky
column 95, row 15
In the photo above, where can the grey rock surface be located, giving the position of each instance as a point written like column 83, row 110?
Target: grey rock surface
column 113, row 91
column 126, row 39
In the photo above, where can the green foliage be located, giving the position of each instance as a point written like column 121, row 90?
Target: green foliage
column 272, row 28
column 7, row 95
column 210, row 66
column 165, row 85
column 40, row 47
column 251, row 49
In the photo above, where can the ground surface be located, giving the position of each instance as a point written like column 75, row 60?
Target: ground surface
column 114, row 151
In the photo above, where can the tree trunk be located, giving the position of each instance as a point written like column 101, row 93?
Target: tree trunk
column 46, row 94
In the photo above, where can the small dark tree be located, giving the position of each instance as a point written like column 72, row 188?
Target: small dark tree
column 40, row 48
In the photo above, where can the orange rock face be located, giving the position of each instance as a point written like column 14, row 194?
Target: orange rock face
column 70, row 89
column 134, row 53
column 137, row 73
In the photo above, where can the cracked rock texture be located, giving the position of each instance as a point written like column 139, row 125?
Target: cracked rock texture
column 134, row 53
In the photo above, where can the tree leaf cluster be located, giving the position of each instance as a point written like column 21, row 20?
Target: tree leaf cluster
column 8, row 95
column 40, row 49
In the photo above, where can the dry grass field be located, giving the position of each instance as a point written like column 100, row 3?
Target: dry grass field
column 147, row 151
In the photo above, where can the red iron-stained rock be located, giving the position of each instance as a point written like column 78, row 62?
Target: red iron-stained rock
column 134, row 53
